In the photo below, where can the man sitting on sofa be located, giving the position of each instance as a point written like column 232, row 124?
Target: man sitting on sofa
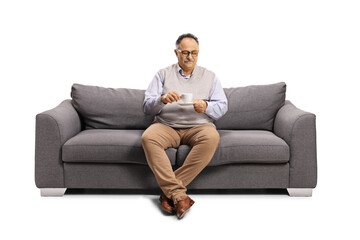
column 178, row 123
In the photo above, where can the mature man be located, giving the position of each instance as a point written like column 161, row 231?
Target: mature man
column 176, row 123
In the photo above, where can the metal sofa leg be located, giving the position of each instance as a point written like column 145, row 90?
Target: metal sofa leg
column 300, row 192
column 52, row 192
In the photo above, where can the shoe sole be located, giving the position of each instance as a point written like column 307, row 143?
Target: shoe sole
column 182, row 215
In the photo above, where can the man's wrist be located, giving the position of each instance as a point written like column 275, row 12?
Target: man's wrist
column 206, row 104
column 208, row 107
column 161, row 100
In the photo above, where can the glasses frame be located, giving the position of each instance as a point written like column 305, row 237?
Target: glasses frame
column 188, row 52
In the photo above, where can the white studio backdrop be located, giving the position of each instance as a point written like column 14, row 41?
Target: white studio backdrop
column 313, row 46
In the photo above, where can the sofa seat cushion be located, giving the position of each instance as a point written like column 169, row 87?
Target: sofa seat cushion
column 108, row 146
column 244, row 146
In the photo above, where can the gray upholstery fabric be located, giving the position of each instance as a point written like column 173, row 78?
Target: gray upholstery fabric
column 261, row 152
column 110, row 108
column 108, row 146
column 237, row 176
column 252, row 107
column 131, row 176
column 298, row 129
column 244, row 146
column 98, row 175
column 53, row 128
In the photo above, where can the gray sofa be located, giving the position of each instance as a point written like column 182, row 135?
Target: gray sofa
column 93, row 141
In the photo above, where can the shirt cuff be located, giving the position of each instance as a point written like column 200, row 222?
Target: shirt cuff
column 159, row 102
column 208, row 108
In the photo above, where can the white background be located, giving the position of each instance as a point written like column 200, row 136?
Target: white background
column 313, row 46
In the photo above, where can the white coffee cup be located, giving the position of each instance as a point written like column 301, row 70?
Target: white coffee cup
column 186, row 97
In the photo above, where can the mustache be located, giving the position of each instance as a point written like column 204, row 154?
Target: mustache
column 188, row 60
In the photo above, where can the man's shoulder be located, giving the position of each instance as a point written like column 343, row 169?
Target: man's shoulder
column 168, row 68
column 165, row 71
column 206, row 71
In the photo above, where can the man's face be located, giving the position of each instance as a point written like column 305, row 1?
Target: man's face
column 187, row 63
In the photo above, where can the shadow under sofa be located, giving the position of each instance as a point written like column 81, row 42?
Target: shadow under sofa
column 93, row 141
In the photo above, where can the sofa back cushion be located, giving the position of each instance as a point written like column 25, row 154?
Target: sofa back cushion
column 252, row 107
column 110, row 108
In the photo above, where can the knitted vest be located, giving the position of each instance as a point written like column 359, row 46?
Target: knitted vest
column 199, row 84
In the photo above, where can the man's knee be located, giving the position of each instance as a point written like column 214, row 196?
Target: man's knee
column 214, row 137
column 146, row 137
column 211, row 136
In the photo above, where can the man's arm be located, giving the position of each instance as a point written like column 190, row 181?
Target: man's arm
column 217, row 106
column 152, row 102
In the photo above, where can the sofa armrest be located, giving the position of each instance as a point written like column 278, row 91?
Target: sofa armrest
column 298, row 129
column 53, row 128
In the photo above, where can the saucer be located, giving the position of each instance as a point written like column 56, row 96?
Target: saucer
column 184, row 104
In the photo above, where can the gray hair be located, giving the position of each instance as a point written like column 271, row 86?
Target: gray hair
column 186, row 35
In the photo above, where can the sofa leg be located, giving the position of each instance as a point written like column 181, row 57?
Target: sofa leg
column 300, row 192
column 52, row 192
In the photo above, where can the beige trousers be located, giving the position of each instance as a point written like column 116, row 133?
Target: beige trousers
column 203, row 139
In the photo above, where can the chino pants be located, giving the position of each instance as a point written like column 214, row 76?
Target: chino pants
column 204, row 140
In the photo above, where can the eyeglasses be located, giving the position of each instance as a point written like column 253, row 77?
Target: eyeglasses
column 187, row 53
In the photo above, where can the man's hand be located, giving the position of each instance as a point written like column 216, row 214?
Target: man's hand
column 170, row 97
column 200, row 105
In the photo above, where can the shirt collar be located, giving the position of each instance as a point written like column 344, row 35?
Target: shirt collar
column 181, row 72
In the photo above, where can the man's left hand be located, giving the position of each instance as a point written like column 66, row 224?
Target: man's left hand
column 200, row 105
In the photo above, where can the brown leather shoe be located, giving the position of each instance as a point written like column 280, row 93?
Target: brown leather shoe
column 166, row 204
column 183, row 205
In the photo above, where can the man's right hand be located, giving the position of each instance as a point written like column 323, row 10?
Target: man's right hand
column 170, row 97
